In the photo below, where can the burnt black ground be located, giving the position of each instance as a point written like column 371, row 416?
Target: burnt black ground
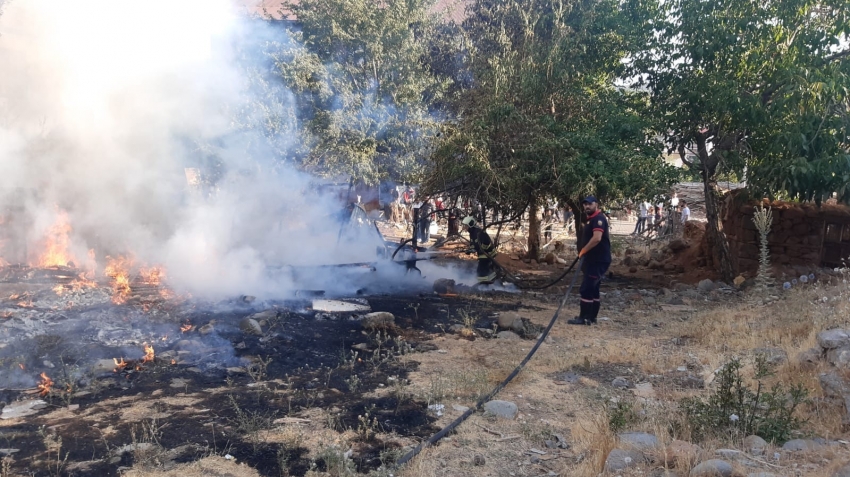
column 313, row 359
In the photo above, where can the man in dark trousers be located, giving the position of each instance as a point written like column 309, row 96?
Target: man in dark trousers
column 484, row 247
column 597, row 258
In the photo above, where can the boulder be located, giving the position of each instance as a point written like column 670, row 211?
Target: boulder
column 621, row 459
column 831, row 339
column 839, row 357
column 808, row 360
column 706, row 285
column 621, row 382
column 505, row 320
column 713, row 468
column 518, row 326
column 103, row 366
column 378, row 320
column 738, row 281
column 834, row 385
column 799, row 445
column 250, row 326
column 444, row 286
column 265, row 315
column 505, row 409
column 755, row 445
column 682, row 453
column 638, row 440
column 507, row 335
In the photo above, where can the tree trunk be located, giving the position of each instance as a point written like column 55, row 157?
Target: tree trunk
column 717, row 244
column 533, row 231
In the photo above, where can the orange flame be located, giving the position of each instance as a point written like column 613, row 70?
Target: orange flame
column 21, row 365
column 118, row 270
column 119, row 365
column 45, row 384
column 56, row 243
column 149, row 354
column 187, row 327
column 152, row 276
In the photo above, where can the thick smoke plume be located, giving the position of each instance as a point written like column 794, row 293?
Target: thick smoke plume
column 107, row 110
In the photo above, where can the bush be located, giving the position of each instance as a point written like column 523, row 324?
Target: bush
column 735, row 408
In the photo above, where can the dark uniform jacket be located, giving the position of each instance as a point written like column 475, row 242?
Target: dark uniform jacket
column 481, row 242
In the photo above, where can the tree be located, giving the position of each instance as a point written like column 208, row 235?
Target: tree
column 362, row 86
column 542, row 116
column 749, row 84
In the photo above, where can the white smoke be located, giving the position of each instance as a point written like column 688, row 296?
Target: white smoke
column 104, row 103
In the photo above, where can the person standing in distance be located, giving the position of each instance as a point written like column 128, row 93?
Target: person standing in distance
column 596, row 252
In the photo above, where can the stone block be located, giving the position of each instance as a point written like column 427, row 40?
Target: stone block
column 832, row 339
column 839, row 357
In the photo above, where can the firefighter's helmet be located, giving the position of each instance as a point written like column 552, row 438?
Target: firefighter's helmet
column 469, row 221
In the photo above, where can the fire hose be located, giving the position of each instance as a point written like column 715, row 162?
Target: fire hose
column 463, row 417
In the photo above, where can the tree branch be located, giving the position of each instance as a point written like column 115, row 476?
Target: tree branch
column 837, row 56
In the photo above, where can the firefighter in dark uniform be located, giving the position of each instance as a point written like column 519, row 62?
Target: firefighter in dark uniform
column 484, row 247
column 596, row 252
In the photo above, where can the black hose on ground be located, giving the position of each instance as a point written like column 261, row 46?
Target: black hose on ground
column 444, row 431
column 543, row 287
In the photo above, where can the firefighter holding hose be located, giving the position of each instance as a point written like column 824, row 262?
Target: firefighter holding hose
column 484, row 247
column 596, row 251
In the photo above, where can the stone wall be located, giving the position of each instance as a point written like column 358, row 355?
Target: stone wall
column 796, row 236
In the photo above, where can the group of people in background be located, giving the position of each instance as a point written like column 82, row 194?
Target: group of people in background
column 402, row 206
column 651, row 217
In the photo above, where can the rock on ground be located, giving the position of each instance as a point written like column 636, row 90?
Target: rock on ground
column 250, row 326
column 712, row 468
column 834, row 385
column 808, row 360
column 507, row 335
column 22, row 408
column 839, row 357
column 638, row 440
column 706, row 285
column 378, row 320
column 265, row 315
column 621, row 382
column 755, row 445
column 444, row 286
column 796, row 445
column 505, row 320
column 831, row 339
column 682, row 453
column 620, row 459
column 504, row 409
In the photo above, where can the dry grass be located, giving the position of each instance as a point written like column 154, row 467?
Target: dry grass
column 213, row 466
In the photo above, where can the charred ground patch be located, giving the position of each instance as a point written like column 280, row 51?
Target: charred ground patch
column 215, row 388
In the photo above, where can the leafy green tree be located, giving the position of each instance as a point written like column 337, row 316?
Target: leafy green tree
column 542, row 117
column 363, row 87
column 749, row 85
